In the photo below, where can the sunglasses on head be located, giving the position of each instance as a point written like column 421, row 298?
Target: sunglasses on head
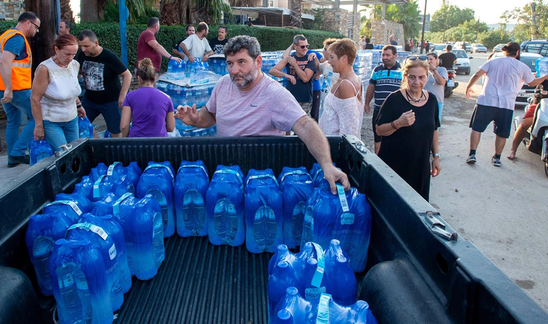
column 415, row 57
column 304, row 46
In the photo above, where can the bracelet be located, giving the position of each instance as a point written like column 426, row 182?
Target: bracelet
column 393, row 125
column 170, row 57
column 78, row 105
column 435, row 155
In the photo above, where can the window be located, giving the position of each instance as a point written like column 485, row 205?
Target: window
column 533, row 48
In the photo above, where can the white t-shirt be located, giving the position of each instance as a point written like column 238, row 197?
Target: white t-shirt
column 266, row 110
column 196, row 46
column 505, row 77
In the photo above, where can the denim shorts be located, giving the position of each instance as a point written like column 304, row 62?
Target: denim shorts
column 110, row 111
column 59, row 133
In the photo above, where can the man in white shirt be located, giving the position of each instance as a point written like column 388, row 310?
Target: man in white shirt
column 504, row 78
column 197, row 46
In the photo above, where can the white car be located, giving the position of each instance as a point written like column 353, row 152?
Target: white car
column 463, row 61
column 479, row 48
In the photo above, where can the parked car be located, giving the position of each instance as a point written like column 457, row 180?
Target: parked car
column 436, row 48
column 526, row 91
column 463, row 61
column 479, row 48
column 538, row 46
column 463, row 46
column 498, row 48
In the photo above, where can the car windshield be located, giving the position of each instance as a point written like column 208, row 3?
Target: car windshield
column 438, row 47
column 460, row 54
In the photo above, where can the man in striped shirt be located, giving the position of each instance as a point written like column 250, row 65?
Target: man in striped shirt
column 385, row 79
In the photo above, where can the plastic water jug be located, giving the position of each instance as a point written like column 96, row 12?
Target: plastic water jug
column 158, row 180
column 105, row 244
column 541, row 66
column 296, row 186
column 42, row 232
column 85, row 127
column 79, row 282
column 143, row 230
column 190, row 192
column 39, row 150
column 84, row 187
column 111, row 226
column 345, row 217
column 317, row 177
column 81, row 201
column 225, row 206
column 294, row 309
column 105, row 184
column 69, row 208
column 132, row 172
column 99, row 170
column 263, row 212
column 339, row 280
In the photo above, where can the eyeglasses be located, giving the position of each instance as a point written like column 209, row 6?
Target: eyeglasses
column 415, row 57
column 35, row 25
column 304, row 46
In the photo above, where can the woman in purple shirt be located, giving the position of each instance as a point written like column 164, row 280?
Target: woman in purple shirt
column 150, row 108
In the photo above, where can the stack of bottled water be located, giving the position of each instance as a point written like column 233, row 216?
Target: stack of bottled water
column 39, row 150
column 362, row 66
column 270, row 59
column 402, row 56
column 217, row 65
column 541, row 66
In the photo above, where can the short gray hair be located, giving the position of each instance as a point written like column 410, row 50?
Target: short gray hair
column 238, row 43
column 298, row 38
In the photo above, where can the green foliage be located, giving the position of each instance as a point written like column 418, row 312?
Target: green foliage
column 139, row 11
column 489, row 38
column 212, row 10
column 319, row 19
column 406, row 14
column 449, row 16
column 270, row 38
column 525, row 29
column 493, row 37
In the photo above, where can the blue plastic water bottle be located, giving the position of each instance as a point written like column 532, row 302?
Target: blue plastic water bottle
column 296, row 186
column 99, row 170
column 283, row 276
column 84, row 187
column 68, row 208
column 190, row 191
column 353, row 226
column 263, row 211
column 79, row 282
column 293, row 308
column 158, row 180
column 42, row 232
column 332, row 312
column 132, row 172
column 340, row 280
column 144, row 233
column 541, row 66
column 111, row 226
column 81, row 201
column 225, row 206
column 105, row 184
column 106, row 246
column 39, row 150
column 318, row 224
column 85, row 127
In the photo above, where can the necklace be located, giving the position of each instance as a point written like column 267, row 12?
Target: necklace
column 411, row 99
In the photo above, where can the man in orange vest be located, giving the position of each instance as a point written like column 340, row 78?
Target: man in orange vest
column 15, row 85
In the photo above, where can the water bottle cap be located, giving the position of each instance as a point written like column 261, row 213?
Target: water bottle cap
column 291, row 291
column 284, row 315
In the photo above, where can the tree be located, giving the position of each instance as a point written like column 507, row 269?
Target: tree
column 296, row 11
column 406, row 14
column 449, row 16
column 525, row 28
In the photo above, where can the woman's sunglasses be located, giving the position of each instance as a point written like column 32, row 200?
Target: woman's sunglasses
column 415, row 57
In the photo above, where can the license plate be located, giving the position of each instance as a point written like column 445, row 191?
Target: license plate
column 450, row 83
column 526, row 94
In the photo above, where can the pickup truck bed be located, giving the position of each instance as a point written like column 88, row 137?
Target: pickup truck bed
column 412, row 274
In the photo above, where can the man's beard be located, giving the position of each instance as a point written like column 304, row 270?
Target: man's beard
column 247, row 79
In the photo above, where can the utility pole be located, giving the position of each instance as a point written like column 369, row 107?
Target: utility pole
column 477, row 27
column 423, row 25
column 533, row 23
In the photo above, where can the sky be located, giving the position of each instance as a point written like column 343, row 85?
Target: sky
column 487, row 11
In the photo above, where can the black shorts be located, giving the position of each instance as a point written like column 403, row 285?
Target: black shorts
column 483, row 115
column 376, row 137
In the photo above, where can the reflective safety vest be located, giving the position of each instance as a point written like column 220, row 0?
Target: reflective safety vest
column 21, row 70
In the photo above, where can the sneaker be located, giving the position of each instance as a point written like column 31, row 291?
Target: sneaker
column 471, row 159
column 16, row 160
column 496, row 161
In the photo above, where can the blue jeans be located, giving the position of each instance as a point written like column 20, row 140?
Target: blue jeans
column 440, row 105
column 18, row 144
column 110, row 111
column 59, row 133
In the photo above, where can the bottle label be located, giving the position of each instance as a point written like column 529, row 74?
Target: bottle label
column 318, row 275
column 96, row 193
column 323, row 309
column 194, row 166
column 110, row 170
column 295, row 172
column 309, row 219
column 347, row 219
column 313, row 293
column 66, row 281
column 157, row 166
column 116, row 205
column 70, row 203
column 90, row 228
column 112, row 252
column 342, row 198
